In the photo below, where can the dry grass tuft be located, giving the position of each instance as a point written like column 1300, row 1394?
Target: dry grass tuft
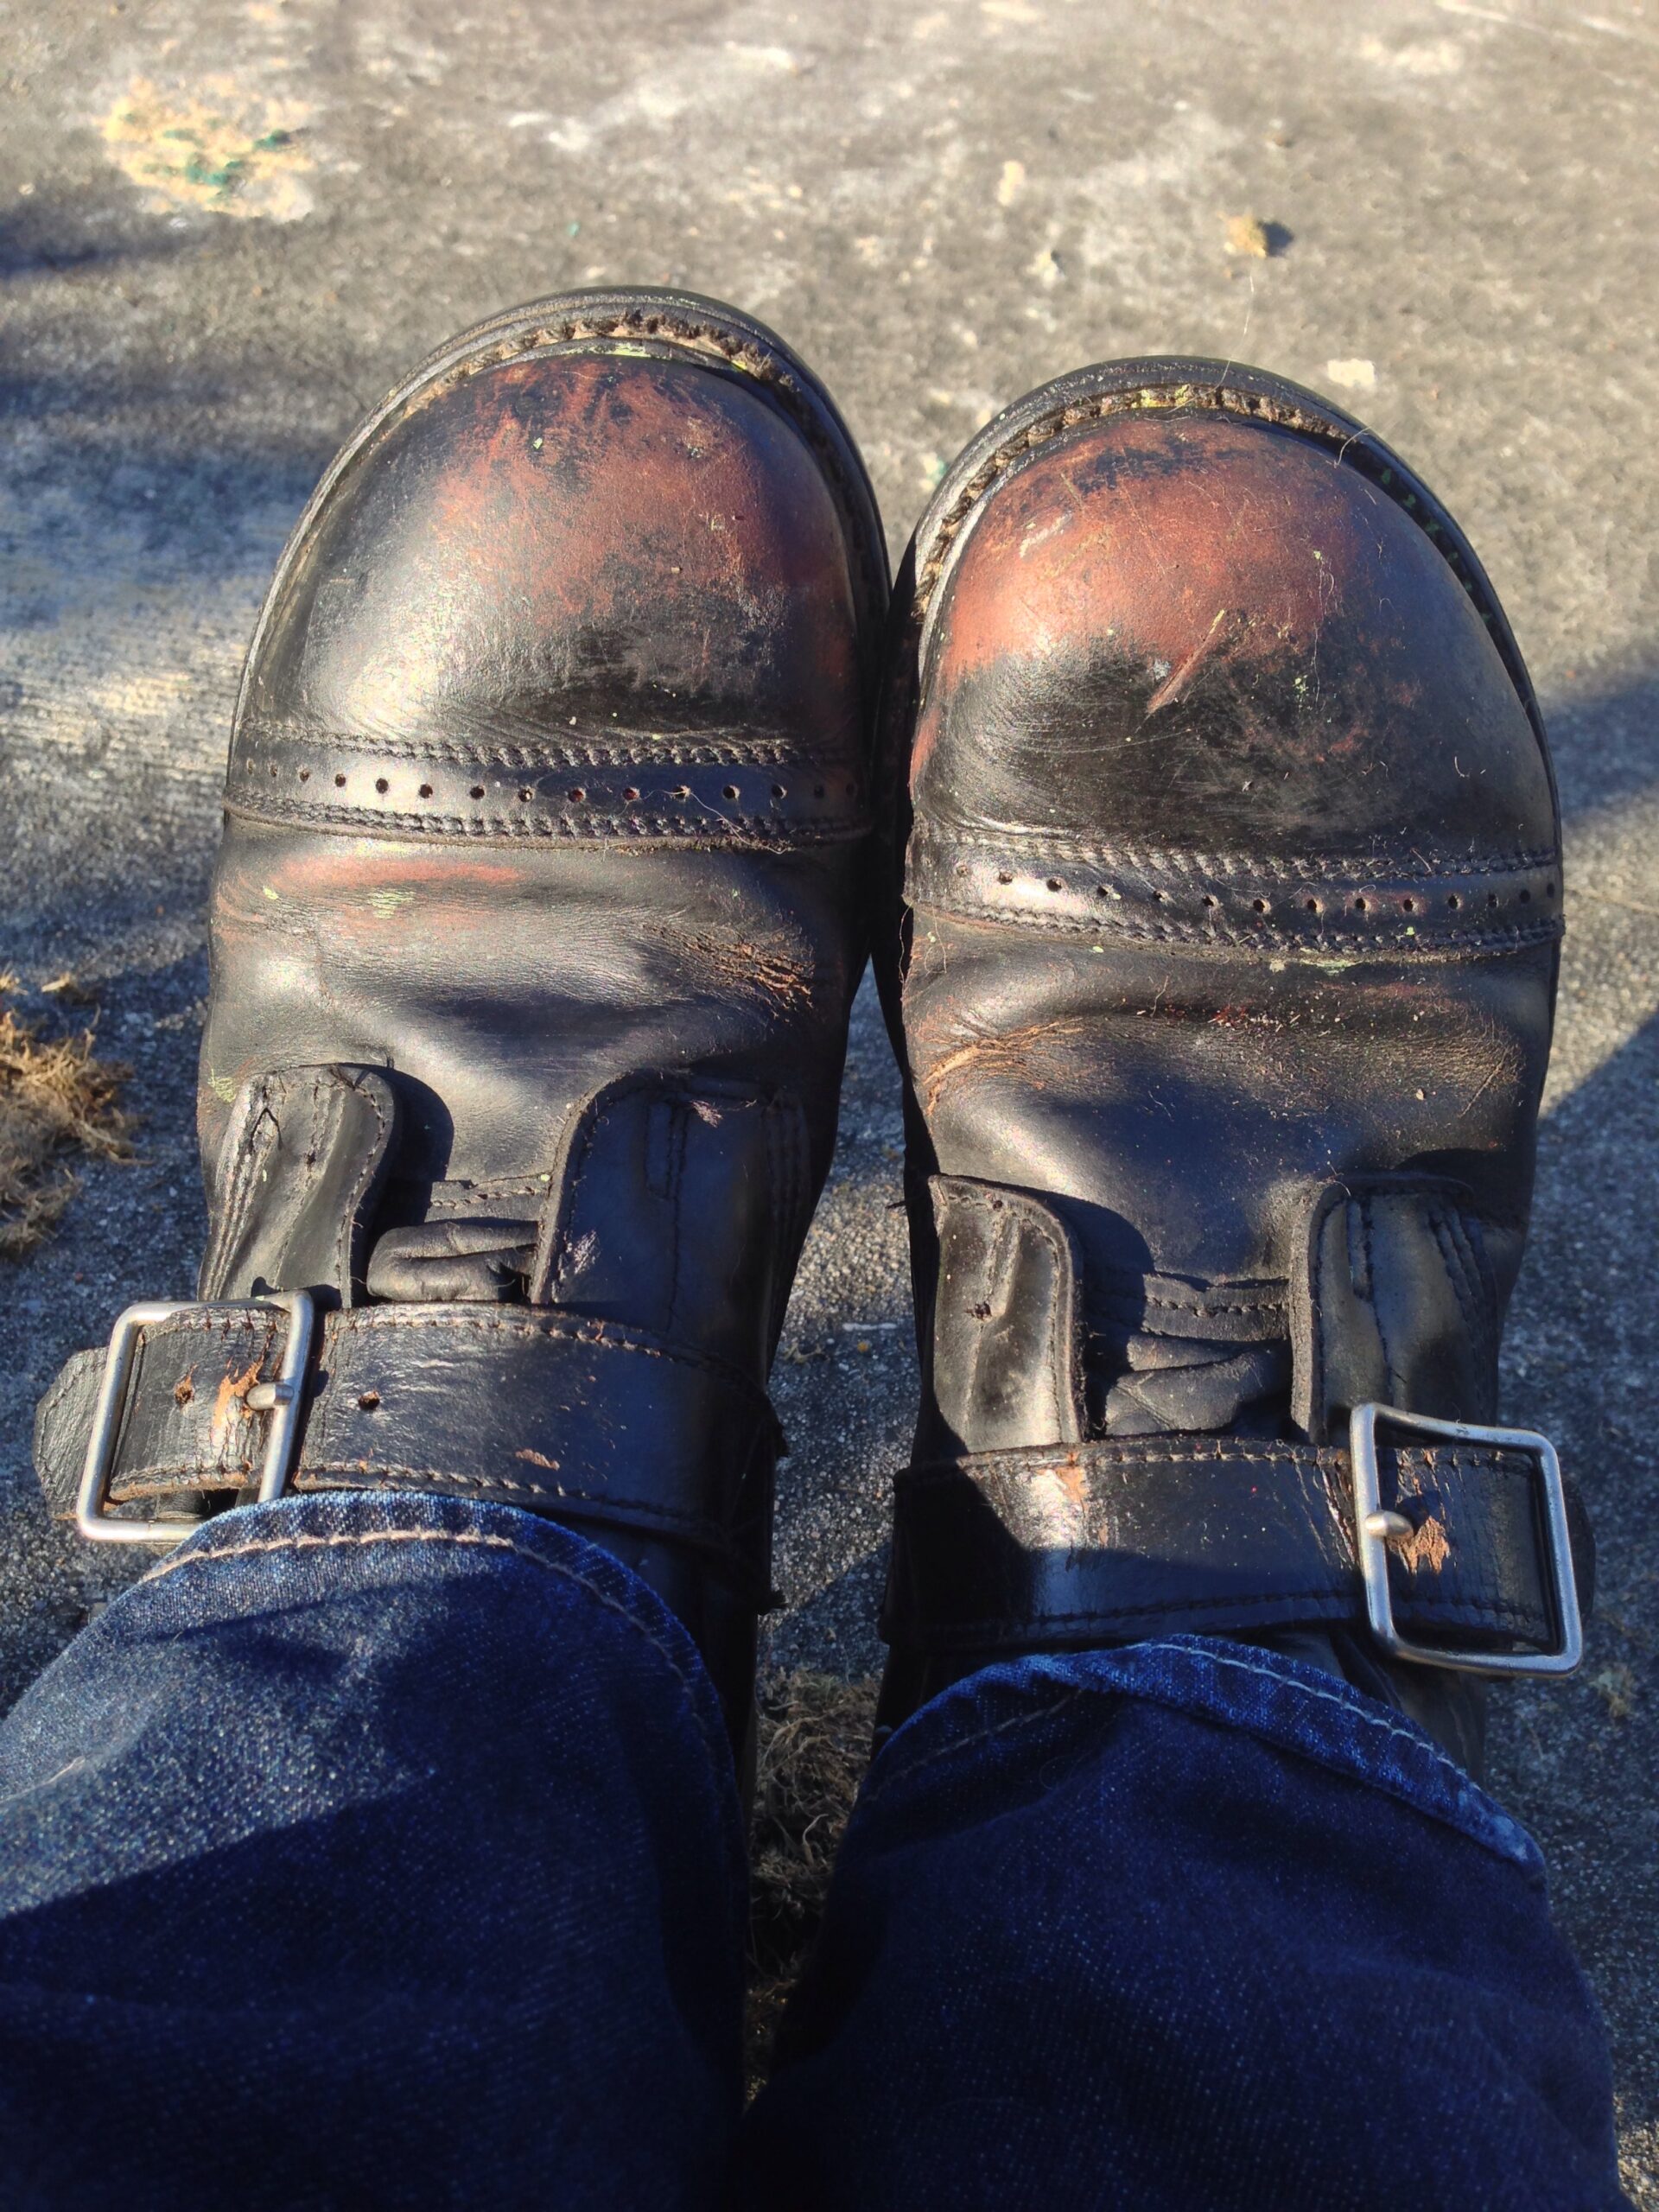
column 814, row 1745
column 56, row 1099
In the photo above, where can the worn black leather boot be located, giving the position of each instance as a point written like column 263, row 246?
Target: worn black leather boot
column 1225, row 899
column 536, row 926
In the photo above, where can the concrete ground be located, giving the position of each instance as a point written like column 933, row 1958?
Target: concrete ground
column 226, row 225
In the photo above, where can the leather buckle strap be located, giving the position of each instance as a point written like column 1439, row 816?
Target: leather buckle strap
column 586, row 1422
column 1119, row 1540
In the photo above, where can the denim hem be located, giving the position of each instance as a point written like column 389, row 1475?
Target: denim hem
column 1297, row 1707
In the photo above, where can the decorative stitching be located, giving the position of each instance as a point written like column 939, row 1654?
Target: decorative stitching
column 74, row 1368
column 679, row 1139
column 1352, row 1709
column 1308, row 1457
column 351, row 1224
column 1419, row 1743
column 369, row 1319
column 136, row 1483
column 1364, row 1205
column 238, row 1150
column 327, row 1116
column 734, row 748
column 200, row 1475
column 877, row 1786
column 1411, row 1736
column 1269, row 1605
column 469, row 1194
column 1313, row 868
column 1471, row 1280
column 1205, row 1309
column 708, row 828
column 207, row 1325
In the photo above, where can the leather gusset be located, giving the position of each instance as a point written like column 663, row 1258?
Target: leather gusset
column 1006, row 1361
column 1394, row 1290
column 1029, row 1340
column 680, row 1202
column 1397, row 1300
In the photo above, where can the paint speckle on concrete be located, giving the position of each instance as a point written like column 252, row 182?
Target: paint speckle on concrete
column 215, row 145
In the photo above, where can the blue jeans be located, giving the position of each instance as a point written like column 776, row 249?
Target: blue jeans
column 384, row 1852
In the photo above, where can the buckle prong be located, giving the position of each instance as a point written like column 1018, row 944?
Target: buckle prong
column 280, row 1399
column 1377, row 1526
column 1387, row 1528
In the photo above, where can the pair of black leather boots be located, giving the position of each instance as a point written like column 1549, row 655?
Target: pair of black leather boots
column 1193, row 800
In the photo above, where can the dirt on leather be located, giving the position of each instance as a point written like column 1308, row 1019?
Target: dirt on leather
column 813, row 1746
column 58, row 1100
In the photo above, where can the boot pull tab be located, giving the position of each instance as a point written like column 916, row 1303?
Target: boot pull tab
column 1006, row 1351
column 297, row 1180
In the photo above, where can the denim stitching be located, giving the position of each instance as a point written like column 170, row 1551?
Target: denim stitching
column 1213, row 1658
column 1370, row 1719
column 871, row 1791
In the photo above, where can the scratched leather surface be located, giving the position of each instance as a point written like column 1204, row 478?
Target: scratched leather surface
column 579, row 585
column 1233, row 669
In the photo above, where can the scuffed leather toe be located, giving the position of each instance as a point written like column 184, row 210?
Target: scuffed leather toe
column 550, row 762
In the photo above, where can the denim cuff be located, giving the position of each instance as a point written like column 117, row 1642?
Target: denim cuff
column 1299, row 1709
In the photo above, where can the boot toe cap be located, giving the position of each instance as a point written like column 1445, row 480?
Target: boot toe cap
column 1204, row 631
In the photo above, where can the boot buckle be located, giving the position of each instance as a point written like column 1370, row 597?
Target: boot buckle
column 281, row 1399
column 1375, row 1527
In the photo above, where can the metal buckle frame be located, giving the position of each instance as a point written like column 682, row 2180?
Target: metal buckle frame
column 1375, row 1527
column 280, row 1399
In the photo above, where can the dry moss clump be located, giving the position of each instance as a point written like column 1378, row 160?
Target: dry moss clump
column 58, row 1100
column 813, row 1746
